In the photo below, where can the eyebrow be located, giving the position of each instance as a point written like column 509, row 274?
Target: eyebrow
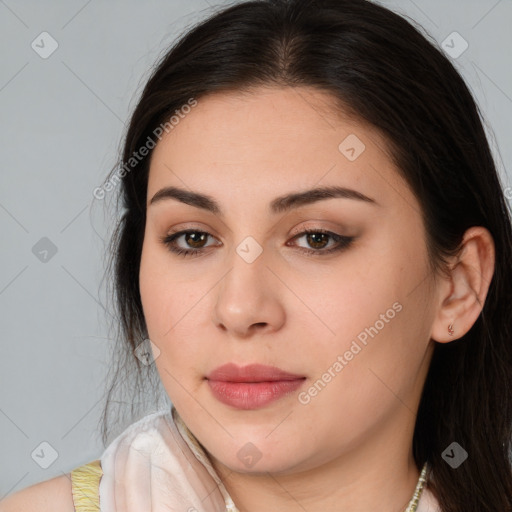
column 278, row 205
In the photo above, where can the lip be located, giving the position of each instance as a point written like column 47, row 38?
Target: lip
column 251, row 373
column 252, row 386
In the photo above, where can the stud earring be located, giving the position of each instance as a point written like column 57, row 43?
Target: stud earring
column 450, row 330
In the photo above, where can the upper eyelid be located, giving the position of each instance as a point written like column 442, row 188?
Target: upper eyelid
column 198, row 229
column 201, row 230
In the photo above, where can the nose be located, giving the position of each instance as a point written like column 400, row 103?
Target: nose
column 248, row 298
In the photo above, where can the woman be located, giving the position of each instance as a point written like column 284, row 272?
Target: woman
column 316, row 248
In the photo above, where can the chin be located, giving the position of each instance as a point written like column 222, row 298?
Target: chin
column 261, row 467
column 260, row 458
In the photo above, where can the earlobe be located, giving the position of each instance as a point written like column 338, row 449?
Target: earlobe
column 462, row 297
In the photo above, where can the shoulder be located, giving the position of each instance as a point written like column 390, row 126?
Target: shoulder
column 54, row 495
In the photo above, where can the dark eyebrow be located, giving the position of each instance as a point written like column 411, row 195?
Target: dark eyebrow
column 278, row 205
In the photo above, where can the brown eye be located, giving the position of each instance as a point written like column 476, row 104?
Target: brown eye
column 318, row 240
column 194, row 242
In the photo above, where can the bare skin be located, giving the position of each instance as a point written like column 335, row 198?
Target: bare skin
column 53, row 495
column 347, row 446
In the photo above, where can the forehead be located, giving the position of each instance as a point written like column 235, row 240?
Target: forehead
column 271, row 139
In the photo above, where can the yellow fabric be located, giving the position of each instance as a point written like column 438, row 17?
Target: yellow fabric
column 85, row 482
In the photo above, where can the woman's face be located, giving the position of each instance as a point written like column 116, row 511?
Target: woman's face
column 343, row 317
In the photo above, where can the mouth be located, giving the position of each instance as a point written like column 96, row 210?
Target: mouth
column 253, row 386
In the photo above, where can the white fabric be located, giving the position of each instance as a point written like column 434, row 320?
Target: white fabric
column 428, row 502
column 156, row 465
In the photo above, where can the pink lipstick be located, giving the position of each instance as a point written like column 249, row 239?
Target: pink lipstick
column 252, row 386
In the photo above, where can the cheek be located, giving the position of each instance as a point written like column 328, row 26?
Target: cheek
column 365, row 373
column 173, row 311
column 165, row 296
column 368, row 316
column 151, row 291
column 348, row 301
column 159, row 302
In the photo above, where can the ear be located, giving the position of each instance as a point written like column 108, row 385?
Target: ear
column 462, row 296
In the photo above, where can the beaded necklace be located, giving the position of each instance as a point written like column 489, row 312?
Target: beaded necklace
column 413, row 504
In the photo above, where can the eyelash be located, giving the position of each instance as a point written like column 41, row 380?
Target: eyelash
column 343, row 242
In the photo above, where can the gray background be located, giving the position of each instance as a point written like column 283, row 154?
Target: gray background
column 62, row 119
